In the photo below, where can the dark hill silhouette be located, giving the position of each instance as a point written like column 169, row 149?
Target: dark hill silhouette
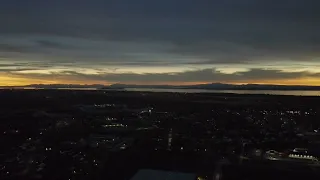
column 211, row 86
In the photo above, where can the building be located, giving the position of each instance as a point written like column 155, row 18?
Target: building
column 147, row 174
column 302, row 157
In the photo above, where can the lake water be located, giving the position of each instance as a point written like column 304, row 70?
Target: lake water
column 270, row 92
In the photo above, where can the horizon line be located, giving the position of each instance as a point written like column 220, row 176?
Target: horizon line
column 237, row 84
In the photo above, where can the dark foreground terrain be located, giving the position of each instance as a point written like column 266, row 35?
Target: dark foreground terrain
column 68, row 134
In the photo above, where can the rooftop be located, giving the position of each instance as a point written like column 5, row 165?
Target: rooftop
column 147, row 174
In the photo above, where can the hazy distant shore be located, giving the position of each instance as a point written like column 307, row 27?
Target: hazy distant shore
column 288, row 92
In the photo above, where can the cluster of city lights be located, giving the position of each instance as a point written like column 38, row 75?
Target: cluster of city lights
column 115, row 125
column 302, row 156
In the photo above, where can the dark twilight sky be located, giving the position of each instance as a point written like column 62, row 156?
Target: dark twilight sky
column 159, row 41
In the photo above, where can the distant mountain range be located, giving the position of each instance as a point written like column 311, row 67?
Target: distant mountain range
column 221, row 86
column 212, row 86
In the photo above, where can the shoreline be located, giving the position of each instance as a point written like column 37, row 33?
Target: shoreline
column 286, row 93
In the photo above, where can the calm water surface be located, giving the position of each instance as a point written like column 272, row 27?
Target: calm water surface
column 271, row 92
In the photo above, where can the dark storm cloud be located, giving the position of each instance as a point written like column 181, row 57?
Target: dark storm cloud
column 13, row 48
column 28, row 66
column 10, row 71
column 205, row 75
column 213, row 31
column 17, row 67
column 51, row 44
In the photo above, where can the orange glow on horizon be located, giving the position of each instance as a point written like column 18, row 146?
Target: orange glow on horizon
column 15, row 80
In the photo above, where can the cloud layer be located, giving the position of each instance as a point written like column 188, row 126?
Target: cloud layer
column 73, row 35
column 187, row 77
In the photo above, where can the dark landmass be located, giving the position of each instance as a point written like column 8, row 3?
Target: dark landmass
column 220, row 86
column 70, row 134
column 212, row 86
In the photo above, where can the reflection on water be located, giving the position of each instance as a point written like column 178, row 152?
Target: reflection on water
column 271, row 92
